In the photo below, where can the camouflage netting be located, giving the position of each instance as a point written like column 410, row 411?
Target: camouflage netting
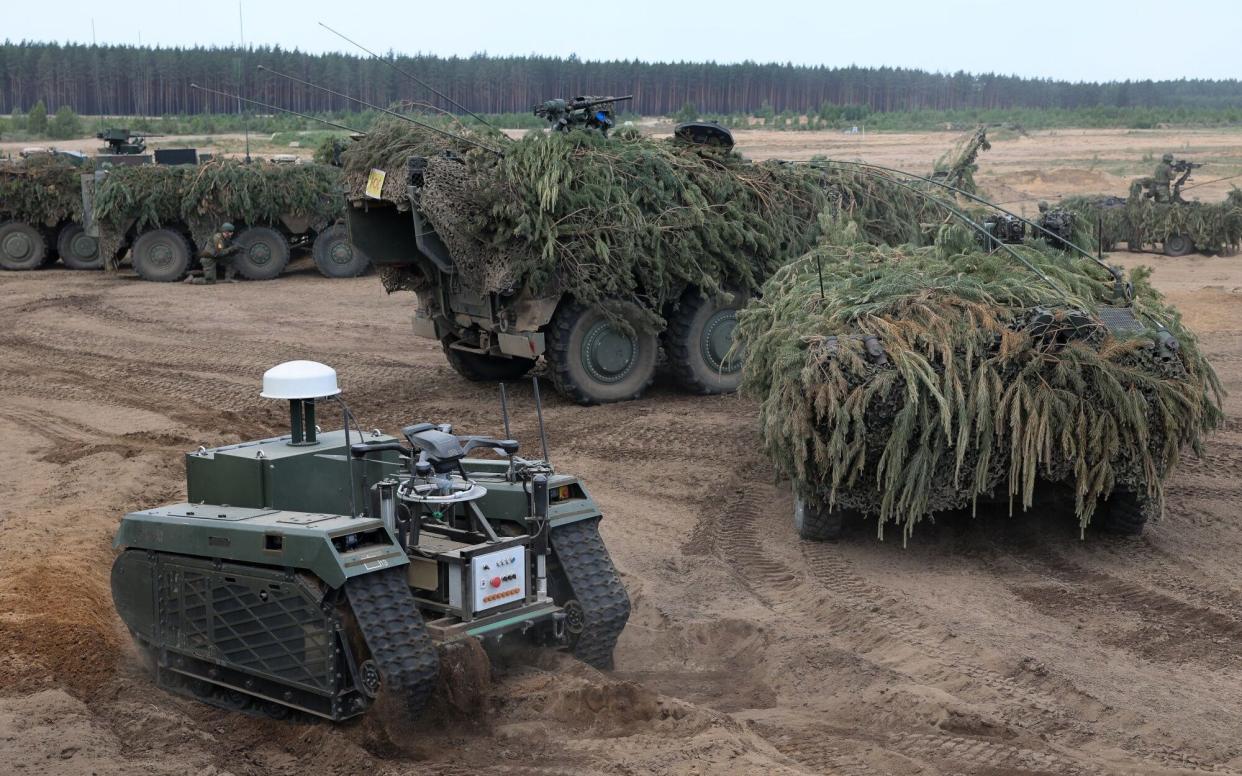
column 202, row 197
column 970, row 402
column 627, row 217
column 41, row 190
column 1139, row 222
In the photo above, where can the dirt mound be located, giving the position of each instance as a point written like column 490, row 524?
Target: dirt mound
column 63, row 625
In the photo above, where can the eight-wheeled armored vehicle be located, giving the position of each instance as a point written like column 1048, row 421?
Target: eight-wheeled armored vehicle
column 601, row 344
column 161, row 215
column 312, row 572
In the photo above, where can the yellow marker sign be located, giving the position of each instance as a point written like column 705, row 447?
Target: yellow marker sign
column 375, row 184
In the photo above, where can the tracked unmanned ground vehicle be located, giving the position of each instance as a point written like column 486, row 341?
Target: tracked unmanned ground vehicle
column 310, row 571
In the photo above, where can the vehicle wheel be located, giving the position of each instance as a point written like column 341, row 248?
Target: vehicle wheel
column 698, row 339
column 336, row 256
column 480, row 368
column 263, row 255
column 77, row 249
column 1178, row 245
column 598, row 358
column 21, row 246
column 161, row 255
column 816, row 523
column 1124, row 513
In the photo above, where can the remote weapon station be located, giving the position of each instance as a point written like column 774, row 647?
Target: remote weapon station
column 313, row 571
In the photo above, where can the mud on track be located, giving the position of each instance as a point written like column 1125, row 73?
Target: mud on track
column 993, row 646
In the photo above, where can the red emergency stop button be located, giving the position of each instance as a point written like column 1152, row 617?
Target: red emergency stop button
column 495, row 581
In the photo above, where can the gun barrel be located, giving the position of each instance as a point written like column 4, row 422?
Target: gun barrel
column 607, row 100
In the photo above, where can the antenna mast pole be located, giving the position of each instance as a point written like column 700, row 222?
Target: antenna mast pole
column 226, row 95
column 366, row 104
column 421, row 83
column 241, row 68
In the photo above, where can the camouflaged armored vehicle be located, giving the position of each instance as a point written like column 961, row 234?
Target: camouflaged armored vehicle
column 900, row 383
column 594, row 252
column 160, row 216
column 41, row 216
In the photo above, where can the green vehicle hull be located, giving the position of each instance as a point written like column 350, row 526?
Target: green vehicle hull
column 277, row 588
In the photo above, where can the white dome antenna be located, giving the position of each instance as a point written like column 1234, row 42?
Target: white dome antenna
column 300, row 382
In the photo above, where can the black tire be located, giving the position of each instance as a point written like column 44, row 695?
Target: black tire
column 77, row 249
column 22, row 246
column 1125, row 513
column 593, row 360
column 161, row 255
column 817, row 523
column 1178, row 245
column 698, row 341
column 583, row 579
column 264, row 253
column 336, row 256
column 480, row 368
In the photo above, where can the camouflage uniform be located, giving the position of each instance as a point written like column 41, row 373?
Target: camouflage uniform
column 218, row 251
column 1162, row 180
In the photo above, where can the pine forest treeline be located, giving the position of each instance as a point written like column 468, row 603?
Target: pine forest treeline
column 130, row 80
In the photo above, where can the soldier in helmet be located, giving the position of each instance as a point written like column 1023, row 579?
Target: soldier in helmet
column 1162, row 180
column 219, row 249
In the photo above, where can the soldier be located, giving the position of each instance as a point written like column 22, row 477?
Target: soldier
column 219, row 248
column 1163, row 179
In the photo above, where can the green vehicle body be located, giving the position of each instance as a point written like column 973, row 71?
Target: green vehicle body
column 247, row 595
column 244, row 497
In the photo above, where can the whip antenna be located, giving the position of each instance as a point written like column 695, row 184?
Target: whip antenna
column 410, row 76
column 278, row 108
column 543, row 436
column 366, row 104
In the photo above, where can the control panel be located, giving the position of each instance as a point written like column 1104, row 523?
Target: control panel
column 499, row 577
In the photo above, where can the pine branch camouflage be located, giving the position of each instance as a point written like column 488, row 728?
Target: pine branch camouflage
column 41, row 190
column 621, row 218
column 204, row 196
column 972, row 400
column 1212, row 227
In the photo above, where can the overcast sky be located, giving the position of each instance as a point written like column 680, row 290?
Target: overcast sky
column 1083, row 40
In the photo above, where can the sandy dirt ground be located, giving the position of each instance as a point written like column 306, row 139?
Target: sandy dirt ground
column 990, row 646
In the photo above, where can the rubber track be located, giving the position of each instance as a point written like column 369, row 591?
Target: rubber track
column 597, row 587
column 394, row 631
